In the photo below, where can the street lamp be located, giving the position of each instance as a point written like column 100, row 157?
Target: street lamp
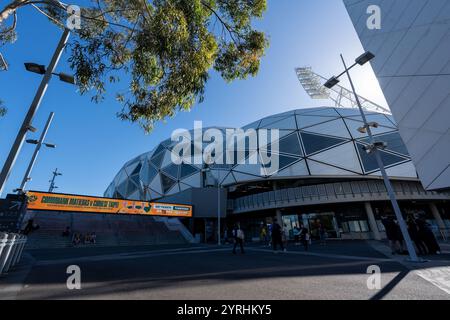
column 38, row 144
column 3, row 64
column 52, row 182
column 26, row 125
column 374, row 149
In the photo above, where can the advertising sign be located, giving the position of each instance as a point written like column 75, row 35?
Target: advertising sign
column 76, row 203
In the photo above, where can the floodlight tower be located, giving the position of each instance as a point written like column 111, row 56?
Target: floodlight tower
column 341, row 96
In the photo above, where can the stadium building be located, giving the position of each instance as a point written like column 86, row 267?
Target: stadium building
column 324, row 175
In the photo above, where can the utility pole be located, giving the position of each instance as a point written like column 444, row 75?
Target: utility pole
column 52, row 182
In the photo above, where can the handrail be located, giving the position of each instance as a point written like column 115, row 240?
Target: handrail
column 351, row 191
column 11, row 249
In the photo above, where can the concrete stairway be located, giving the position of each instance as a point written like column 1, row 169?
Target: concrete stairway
column 111, row 230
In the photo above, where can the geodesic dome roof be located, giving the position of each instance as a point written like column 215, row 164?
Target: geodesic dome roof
column 314, row 143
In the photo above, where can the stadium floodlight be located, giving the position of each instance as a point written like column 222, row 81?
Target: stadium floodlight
column 331, row 82
column 35, row 68
column 364, row 58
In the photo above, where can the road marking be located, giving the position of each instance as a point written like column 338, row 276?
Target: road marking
column 440, row 277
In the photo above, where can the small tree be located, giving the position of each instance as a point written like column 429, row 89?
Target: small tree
column 165, row 48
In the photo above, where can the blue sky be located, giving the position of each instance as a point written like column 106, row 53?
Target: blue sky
column 92, row 144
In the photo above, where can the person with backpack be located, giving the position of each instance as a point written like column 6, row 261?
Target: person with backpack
column 239, row 237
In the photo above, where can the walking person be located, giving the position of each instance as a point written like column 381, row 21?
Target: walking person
column 413, row 231
column 304, row 237
column 296, row 233
column 322, row 234
column 277, row 236
column 390, row 228
column 263, row 234
column 239, row 236
column 285, row 237
column 427, row 236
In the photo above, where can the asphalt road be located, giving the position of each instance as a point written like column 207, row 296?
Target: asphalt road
column 335, row 271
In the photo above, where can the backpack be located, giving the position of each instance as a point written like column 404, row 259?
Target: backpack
column 240, row 234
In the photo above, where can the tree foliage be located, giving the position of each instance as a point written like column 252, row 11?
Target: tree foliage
column 164, row 49
column 2, row 109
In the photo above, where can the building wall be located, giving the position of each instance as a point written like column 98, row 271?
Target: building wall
column 412, row 65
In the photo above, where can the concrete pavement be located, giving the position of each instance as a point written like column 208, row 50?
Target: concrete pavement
column 335, row 271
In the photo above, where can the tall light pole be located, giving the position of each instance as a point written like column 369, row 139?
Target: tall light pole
column 52, row 182
column 374, row 149
column 219, row 208
column 27, row 123
column 38, row 144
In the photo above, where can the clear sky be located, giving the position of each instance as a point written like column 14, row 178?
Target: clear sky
column 92, row 144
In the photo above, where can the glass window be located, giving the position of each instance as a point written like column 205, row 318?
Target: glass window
column 286, row 161
column 394, row 141
column 291, row 145
column 172, row 171
column 314, row 143
column 364, row 226
column 167, row 182
column 370, row 162
column 187, row 170
column 354, row 226
column 157, row 159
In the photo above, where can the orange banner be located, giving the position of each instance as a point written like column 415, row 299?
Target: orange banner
column 76, row 203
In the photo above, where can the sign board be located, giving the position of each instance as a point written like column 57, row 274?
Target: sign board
column 76, row 203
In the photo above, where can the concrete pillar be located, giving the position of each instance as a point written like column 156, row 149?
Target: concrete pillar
column 278, row 211
column 279, row 217
column 437, row 217
column 372, row 221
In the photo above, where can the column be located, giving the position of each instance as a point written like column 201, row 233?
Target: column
column 278, row 211
column 372, row 221
column 437, row 217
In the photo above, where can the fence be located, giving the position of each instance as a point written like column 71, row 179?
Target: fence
column 354, row 191
column 11, row 248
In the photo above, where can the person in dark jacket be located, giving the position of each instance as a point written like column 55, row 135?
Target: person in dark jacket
column 239, row 237
column 276, row 236
column 413, row 231
column 427, row 236
column 391, row 233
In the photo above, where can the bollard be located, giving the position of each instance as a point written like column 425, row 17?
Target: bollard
column 8, row 253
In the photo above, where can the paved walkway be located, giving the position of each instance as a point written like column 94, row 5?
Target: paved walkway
column 335, row 271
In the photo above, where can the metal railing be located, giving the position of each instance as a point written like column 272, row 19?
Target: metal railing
column 353, row 191
column 11, row 248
